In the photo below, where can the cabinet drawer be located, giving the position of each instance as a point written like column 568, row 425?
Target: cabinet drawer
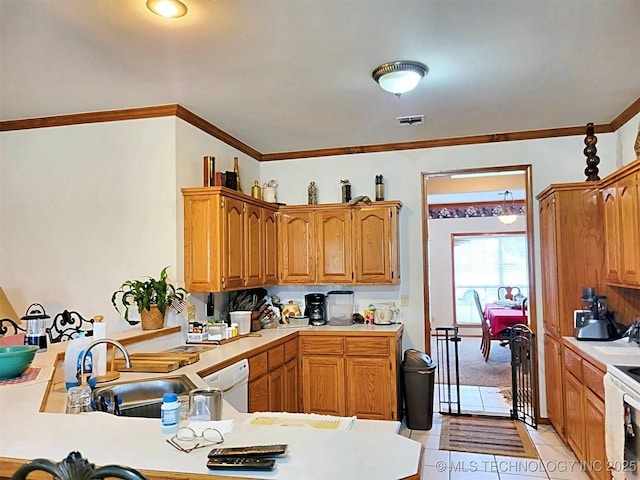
column 322, row 345
column 573, row 363
column 275, row 357
column 374, row 346
column 593, row 379
column 257, row 365
column 290, row 350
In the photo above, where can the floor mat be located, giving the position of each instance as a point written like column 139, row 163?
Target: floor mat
column 492, row 436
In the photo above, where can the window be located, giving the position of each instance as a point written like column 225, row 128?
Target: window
column 485, row 263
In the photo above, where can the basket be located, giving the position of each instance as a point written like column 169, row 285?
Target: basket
column 151, row 319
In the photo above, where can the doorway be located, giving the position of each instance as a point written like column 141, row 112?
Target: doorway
column 454, row 201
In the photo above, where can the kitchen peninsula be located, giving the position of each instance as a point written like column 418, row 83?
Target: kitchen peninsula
column 372, row 449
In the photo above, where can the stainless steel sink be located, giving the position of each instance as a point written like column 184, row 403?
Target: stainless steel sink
column 143, row 398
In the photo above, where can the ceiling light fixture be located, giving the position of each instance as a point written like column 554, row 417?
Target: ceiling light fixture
column 508, row 214
column 167, row 8
column 399, row 77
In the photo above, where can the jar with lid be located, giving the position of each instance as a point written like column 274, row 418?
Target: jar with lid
column 346, row 191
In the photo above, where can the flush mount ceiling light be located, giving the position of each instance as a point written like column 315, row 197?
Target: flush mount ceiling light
column 509, row 213
column 399, row 77
column 167, row 8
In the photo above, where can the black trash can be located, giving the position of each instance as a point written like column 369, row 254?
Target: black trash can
column 418, row 376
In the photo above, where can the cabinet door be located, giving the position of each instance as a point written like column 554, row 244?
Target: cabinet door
column 574, row 411
column 594, row 437
column 323, row 385
column 291, row 386
column 259, row 394
column 333, row 234
column 376, row 245
column 296, row 247
column 554, row 384
column 232, row 243
column 612, row 235
column 369, row 388
column 549, row 260
column 201, row 266
column 629, row 211
column 270, row 259
column 276, row 390
column 253, row 245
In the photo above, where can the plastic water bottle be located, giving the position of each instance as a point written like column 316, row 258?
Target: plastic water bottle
column 170, row 413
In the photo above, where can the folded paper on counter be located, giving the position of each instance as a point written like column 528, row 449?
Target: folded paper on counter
column 305, row 420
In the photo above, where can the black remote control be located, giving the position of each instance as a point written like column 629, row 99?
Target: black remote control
column 255, row 451
column 241, row 463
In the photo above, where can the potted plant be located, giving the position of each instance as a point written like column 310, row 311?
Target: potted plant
column 152, row 298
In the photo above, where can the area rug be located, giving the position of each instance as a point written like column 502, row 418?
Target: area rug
column 474, row 370
column 493, row 436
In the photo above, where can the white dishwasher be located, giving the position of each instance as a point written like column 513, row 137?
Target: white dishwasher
column 234, row 383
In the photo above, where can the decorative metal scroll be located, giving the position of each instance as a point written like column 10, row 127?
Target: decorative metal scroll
column 524, row 381
column 7, row 323
column 66, row 326
column 74, row 467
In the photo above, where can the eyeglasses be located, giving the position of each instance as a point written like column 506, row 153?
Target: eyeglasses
column 186, row 434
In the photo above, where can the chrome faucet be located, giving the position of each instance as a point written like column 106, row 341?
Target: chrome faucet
column 127, row 359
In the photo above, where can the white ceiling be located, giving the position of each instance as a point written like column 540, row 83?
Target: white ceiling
column 296, row 75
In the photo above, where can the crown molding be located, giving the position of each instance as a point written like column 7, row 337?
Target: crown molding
column 207, row 127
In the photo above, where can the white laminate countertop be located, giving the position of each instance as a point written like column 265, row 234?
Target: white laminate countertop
column 616, row 352
column 371, row 450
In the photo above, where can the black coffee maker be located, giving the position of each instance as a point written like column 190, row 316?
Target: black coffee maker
column 314, row 308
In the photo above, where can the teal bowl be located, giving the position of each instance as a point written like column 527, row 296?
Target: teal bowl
column 16, row 359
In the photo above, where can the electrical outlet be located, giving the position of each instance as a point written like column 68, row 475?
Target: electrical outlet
column 404, row 301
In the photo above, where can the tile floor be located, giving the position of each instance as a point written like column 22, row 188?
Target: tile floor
column 556, row 460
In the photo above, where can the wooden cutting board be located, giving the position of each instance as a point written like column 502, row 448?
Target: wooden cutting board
column 156, row 362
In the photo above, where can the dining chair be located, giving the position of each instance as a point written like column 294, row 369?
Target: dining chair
column 487, row 337
column 508, row 293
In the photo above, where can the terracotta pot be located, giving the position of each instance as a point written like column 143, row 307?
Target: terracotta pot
column 151, row 319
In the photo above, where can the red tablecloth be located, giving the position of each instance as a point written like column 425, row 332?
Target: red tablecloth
column 501, row 318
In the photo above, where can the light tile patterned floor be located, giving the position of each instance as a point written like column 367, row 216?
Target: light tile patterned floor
column 556, row 460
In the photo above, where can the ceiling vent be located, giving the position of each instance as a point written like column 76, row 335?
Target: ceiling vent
column 411, row 120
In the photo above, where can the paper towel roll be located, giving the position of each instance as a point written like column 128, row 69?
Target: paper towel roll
column 100, row 331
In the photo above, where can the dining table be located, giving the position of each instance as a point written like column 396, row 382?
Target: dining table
column 503, row 317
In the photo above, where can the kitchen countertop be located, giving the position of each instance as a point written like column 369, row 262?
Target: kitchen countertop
column 363, row 452
column 609, row 355
column 616, row 352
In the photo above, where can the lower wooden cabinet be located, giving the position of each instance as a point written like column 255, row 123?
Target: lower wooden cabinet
column 584, row 410
column 594, row 435
column 554, row 383
column 573, row 399
column 273, row 379
column 351, row 375
column 323, row 385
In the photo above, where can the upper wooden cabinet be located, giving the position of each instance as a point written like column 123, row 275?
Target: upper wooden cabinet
column 571, row 249
column 621, row 198
column 229, row 240
column 339, row 244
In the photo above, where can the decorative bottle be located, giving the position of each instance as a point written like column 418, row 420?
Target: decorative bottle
column 237, row 172
column 256, row 190
column 379, row 189
column 312, row 192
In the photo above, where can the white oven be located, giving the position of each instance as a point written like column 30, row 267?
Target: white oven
column 622, row 420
